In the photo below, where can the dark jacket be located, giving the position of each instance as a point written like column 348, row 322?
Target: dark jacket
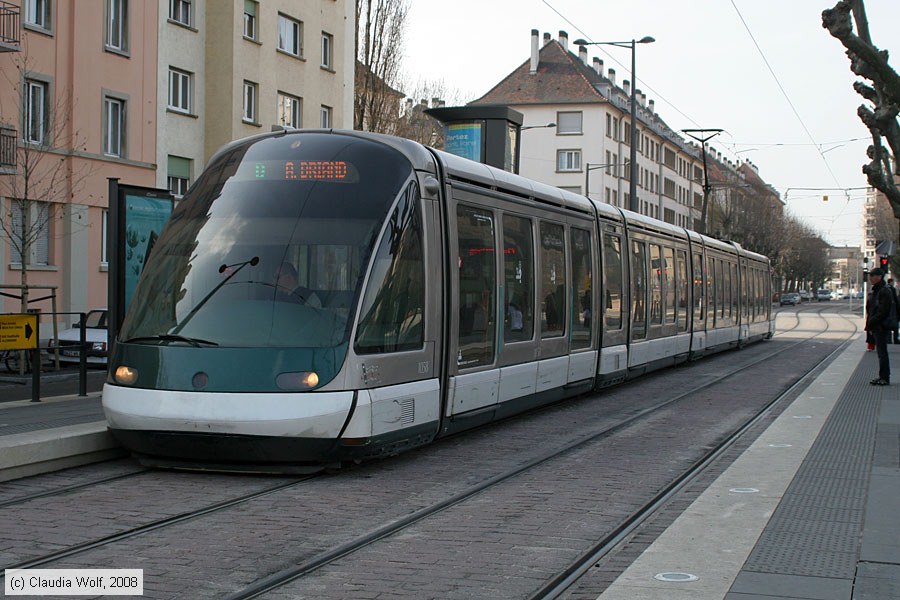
column 878, row 306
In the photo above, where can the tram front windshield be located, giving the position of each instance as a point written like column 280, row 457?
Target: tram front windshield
column 269, row 248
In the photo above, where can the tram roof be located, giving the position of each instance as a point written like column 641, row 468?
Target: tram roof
column 505, row 181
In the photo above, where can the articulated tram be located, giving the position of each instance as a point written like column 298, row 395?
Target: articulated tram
column 322, row 296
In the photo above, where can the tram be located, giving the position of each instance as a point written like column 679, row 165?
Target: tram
column 321, row 296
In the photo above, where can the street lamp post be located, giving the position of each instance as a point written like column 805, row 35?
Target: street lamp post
column 633, row 203
column 537, row 126
column 588, row 167
column 704, row 136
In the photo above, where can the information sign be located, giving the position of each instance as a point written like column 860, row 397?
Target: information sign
column 18, row 332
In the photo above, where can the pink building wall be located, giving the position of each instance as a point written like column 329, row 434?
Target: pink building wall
column 72, row 55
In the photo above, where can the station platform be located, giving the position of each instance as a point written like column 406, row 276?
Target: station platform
column 809, row 511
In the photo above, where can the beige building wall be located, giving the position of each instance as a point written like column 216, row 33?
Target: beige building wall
column 182, row 47
column 232, row 59
column 71, row 55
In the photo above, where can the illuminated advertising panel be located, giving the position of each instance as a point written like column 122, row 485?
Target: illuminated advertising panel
column 464, row 139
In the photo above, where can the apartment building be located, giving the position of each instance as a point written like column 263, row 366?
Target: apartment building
column 75, row 112
column 233, row 68
column 587, row 149
column 144, row 91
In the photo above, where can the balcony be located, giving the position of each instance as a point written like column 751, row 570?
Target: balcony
column 7, row 149
column 9, row 27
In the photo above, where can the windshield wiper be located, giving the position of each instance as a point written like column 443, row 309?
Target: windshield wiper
column 168, row 337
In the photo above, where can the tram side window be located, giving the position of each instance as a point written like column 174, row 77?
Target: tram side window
column 726, row 281
column 518, row 274
column 553, row 280
column 612, row 267
column 582, row 283
column 711, row 291
column 477, row 282
column 681, row 313
column 699, row 286
column 721, row 300
column 669, row 271
column 735, row 291
column 638, row 290
column 745, row 293
column 393, row 310
column 656, row 281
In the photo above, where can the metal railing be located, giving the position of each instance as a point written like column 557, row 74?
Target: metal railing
column 9, row 27
column 7, row 148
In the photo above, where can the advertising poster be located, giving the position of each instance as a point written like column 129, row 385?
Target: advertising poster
column 464, row 139
column 144, row 219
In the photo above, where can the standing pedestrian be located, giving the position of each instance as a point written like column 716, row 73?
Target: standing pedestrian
column 879, row 309
column 895, row 334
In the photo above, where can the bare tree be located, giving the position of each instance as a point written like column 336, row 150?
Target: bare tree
column 414, row 124
column 882, row 91
column 380, row 26
column 40, row 176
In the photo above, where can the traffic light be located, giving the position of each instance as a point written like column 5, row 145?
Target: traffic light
column 883, row 263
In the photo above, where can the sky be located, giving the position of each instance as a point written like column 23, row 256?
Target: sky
column 765, row 71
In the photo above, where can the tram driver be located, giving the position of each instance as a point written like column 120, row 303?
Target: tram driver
column 288, row 290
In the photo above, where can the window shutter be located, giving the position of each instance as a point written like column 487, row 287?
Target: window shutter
column 179, row 167
column 568, row 122
column 250, row 7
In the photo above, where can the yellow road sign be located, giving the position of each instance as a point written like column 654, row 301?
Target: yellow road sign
column 18, row 332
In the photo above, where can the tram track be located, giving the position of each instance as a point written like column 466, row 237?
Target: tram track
column 154, row 525
column 323, row 558
column 69, row 488
column 281, row 578
column 569, row 577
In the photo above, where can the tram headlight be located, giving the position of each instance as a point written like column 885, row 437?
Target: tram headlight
column 301, row 380
column 126, row 375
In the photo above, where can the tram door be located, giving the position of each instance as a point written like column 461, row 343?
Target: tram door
column 399, row 321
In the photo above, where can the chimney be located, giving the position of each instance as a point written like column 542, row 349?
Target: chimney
column 534, row 51
column 582, row 54
column 546, row 37
column 626, row 85
column 435, row 102
column 643, row 98
column 651, row 106
column 611, row 75
column 564, row 40
column 598, row 66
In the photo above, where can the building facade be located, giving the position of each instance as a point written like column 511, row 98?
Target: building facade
column 144, row 91
column 587, row 148
column 233, row 68
column 75, row 98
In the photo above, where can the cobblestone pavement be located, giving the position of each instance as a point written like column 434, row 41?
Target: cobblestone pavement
column 503, row 543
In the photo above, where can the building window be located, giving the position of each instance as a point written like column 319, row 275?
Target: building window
column 180, row 11
column 114, row 130
column 37, row 13
column 290, row 36
column 178, row 175
column 104, row 260
column 327, row 46
column 117, row 24
column 37, row 231
column 250, row 8
column 249, row 115
column 568, row 123
column 325, row 114
column 568, row 160
column 179, row 90
column 288, row 110
column 35, row 111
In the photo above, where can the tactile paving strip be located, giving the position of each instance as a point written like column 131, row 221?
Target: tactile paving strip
column 815, row 529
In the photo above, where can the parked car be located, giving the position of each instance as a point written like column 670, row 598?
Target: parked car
column 823, row 295
column 805, row 295
column 792, row 298
column 96, row 337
